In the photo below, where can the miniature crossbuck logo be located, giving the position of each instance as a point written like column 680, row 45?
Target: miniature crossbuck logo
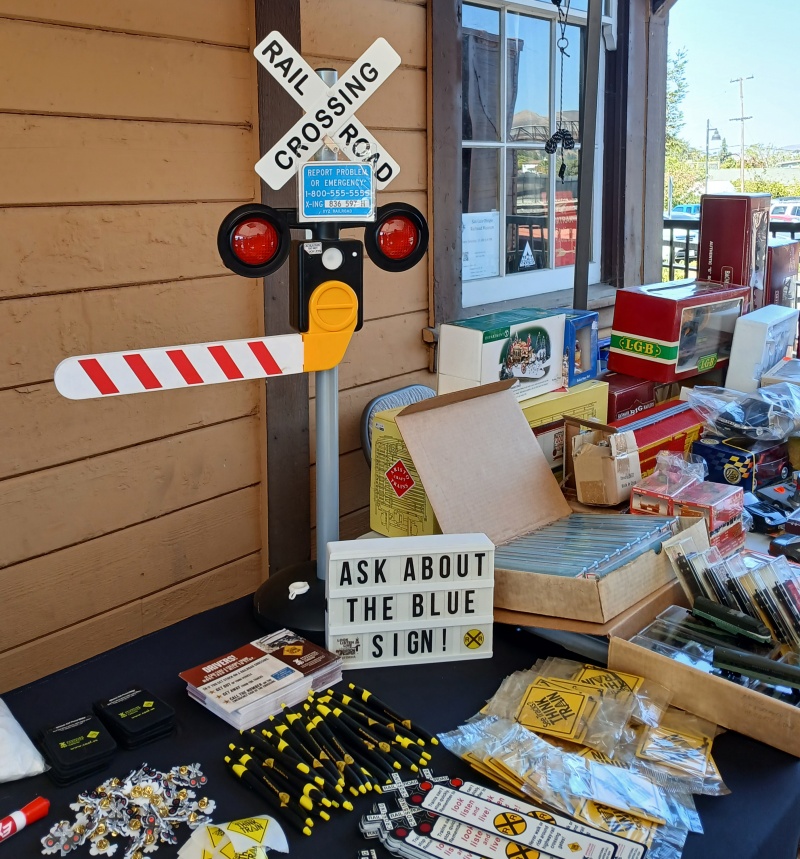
column 329, row 110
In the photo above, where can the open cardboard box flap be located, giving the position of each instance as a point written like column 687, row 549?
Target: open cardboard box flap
column 480, row 464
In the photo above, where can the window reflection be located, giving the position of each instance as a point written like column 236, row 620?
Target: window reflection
column 566, row 228
column 573, row 80
column 528, row 78
column 480, row 73
column 527, row 205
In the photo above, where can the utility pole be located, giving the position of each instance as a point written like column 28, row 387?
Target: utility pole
column 741, row 118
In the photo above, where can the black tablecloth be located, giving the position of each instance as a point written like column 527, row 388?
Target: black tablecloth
column 760, row 818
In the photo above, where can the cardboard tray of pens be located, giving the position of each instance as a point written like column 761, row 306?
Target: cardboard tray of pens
column 747, row 681
column 484, row 471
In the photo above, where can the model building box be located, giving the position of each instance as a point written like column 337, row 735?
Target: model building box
column 732, row 248
column 760, row 340
column 670, row 331
column 580, row 344
column 780, row 283
column 520, row 344
column 545, row 414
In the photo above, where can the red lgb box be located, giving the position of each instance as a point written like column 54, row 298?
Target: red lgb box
column 721, row 506
column 732, row 248
column 781, row 278
column 627, row 395
column 671, row 426
column 670, row 331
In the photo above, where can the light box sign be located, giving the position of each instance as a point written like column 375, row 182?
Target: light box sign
column 403, row 600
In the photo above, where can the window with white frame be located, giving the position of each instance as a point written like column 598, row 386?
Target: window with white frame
column 520, row 204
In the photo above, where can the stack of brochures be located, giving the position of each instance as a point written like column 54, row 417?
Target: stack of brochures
column 250, row 684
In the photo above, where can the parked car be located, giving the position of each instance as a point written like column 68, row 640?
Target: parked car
column 679, row 235
column 690, row 209
column 785, row 210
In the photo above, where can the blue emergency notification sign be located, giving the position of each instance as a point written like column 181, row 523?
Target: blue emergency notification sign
column 337, row 190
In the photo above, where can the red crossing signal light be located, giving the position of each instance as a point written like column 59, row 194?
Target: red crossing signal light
column 254, row 240
column 398, row 239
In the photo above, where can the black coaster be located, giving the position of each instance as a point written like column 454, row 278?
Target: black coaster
column 136, row 717
column 77, row 748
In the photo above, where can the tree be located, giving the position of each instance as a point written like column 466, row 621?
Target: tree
column 762, row 155
column 726, row 160
column 682, row 163
column 677, row 89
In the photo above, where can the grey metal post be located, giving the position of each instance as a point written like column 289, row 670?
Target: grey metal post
column 327, row 420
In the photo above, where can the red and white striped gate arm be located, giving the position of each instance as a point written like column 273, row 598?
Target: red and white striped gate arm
column 141, row 370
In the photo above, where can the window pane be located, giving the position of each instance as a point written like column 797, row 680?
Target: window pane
column 528, row 83
column 566, row 208
column 573, row 79
column 480, row 73
column 528, row 191
column 480, row 221
column 579, row 6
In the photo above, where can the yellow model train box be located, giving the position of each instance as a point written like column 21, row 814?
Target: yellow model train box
column 483, row 471
column 399, row 505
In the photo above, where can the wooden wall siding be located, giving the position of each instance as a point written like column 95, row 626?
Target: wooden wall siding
column 127, row 134
column 388, row 353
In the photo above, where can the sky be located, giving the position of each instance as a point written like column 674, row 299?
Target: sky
column 727, row 39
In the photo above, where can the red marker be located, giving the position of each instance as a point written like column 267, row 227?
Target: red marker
column 18, row 820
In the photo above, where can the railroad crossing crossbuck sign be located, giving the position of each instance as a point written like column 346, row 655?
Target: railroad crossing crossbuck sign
column 255, row 240
column 329, row 110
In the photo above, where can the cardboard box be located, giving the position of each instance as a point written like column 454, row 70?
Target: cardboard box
column 525, row 344
column 484, row 472
column 580, row 344
column 399, row 505
column 671, row 426
column 605, row 465
column 786, row 370
column 732, row 248
column 760, row 340
column 628, row 395
column 780, row 282
column 727, row 704
column 545, row 415
column 624, row 625
column 671, row 331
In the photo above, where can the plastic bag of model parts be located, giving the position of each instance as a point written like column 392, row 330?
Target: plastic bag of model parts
column 677, row 754
column 771, row 413
column 648, row 700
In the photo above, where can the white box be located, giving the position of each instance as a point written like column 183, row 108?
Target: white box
column 787, row 370
column 524, row 344
column 760, row 340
